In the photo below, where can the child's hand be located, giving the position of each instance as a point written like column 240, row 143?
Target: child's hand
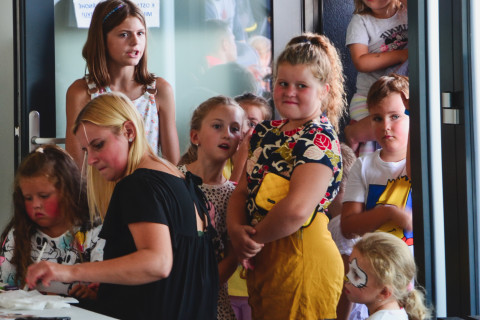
column 350, row 138
column 240, row 156
column 403, row 218
column 248, row 264
column 243, row 244
column 84, row 291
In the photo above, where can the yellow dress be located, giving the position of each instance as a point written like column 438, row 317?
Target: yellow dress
column 236, row 285
column 306, row 281
column 299, row 276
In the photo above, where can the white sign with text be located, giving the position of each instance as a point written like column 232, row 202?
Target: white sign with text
column 84, row 10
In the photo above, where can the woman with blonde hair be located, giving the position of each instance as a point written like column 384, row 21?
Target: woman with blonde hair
column 158, row 254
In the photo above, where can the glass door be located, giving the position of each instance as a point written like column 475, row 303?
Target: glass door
column 177, row 49
column 459, row 156
column 7, row 119
column 475, row 102
column 443, row 152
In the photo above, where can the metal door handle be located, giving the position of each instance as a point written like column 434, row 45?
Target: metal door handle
column 449, row 115
column 34, row 132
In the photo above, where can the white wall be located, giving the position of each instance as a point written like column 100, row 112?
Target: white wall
column 7, row 111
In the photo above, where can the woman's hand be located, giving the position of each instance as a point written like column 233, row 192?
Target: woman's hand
column 45, row 272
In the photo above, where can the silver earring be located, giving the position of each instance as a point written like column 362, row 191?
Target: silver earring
column 130, row 139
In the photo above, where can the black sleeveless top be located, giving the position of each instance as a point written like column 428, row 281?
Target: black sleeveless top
column 191, row 289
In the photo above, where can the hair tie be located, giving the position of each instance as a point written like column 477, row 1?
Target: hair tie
column 39, row 150
column 114, row 10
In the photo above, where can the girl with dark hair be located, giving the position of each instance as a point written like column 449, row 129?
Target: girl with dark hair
column 50, row 209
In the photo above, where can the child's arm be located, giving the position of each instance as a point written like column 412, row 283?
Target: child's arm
column 240, row 233
column 360, row 131
column 168, row 138
column 6, row 254
column 365, row 61
column 308, row 185
column 151, row 262
column 240, row 157
column 356, row 221
column 228, row 265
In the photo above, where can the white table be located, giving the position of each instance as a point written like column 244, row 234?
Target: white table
column 74, row 312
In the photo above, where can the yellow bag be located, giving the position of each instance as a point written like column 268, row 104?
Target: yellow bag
column 274, row 188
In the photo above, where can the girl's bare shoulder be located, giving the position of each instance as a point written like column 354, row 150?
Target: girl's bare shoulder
column 163, row 87
column 78, row 88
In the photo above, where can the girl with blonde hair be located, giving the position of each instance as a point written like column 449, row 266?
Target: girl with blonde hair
column 297, row 269
column 380, row 276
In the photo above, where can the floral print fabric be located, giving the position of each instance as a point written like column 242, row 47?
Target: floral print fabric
column 272, row 150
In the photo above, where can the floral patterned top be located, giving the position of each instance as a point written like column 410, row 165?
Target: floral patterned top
column 299, row 276
column 272, row 150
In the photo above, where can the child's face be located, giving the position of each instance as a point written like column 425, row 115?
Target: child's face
column 41, row 203
column 254, row 116
column 362, row 285
column 298, row 94
column 219, row 134
column 126, row 42
column 390, row 126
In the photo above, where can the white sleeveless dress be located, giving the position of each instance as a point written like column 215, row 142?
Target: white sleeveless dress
column 146, row 106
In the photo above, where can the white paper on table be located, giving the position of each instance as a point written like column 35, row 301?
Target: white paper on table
column 33, row 300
